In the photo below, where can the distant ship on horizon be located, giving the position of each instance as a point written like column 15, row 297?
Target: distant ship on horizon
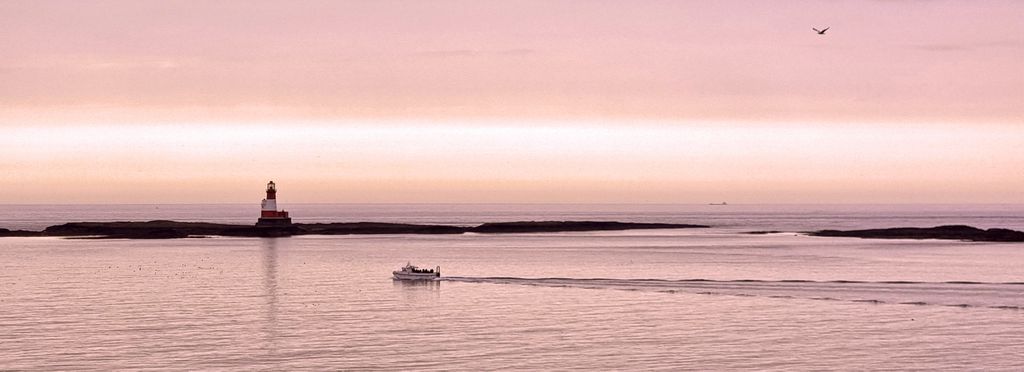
column 722, row 203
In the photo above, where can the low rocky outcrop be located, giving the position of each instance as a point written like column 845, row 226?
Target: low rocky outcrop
column 6, row 232
column 159, row 229
column 950, row 232
column 163, row 229
column 560, row 226
column 339, row 228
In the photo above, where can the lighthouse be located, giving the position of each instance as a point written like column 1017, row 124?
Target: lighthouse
column 269, row 215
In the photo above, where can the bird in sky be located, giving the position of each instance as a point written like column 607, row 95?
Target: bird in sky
column 820, row 32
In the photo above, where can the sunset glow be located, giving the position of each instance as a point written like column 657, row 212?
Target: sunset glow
column 535, row 101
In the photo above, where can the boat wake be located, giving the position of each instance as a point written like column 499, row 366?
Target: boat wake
column 966, row 294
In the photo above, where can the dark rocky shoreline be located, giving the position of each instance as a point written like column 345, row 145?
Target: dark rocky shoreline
column 949, row 232
column 162, row 229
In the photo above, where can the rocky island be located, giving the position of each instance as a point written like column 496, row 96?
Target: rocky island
column 562, row 226
column 6, row 232
column 949, row 232
column 163, row 229
column 274, row 222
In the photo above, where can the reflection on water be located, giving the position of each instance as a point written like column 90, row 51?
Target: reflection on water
column 270, row 329
column 418, row 291
column 415, row 284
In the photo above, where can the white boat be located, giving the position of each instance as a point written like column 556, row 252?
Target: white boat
column 411, row 272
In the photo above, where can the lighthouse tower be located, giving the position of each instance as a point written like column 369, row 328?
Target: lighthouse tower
column 269, row 215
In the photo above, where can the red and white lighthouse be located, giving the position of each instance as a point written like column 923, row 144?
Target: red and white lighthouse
column 269, row 215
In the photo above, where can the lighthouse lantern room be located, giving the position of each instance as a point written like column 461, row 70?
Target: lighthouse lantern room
column 269, row 215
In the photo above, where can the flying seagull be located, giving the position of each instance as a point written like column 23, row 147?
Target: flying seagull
column 820, row 32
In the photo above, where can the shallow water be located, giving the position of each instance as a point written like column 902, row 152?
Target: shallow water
column 708, row 299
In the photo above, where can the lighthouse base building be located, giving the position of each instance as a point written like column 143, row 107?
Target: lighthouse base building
column 269, row 215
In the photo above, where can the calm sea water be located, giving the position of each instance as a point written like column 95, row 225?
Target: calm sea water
column 706, row 299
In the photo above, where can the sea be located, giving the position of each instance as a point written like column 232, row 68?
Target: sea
column 708, row 299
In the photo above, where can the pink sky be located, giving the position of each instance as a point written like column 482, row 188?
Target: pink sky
column 888, row 82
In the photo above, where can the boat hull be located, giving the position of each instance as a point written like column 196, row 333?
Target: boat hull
column 415, row 276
